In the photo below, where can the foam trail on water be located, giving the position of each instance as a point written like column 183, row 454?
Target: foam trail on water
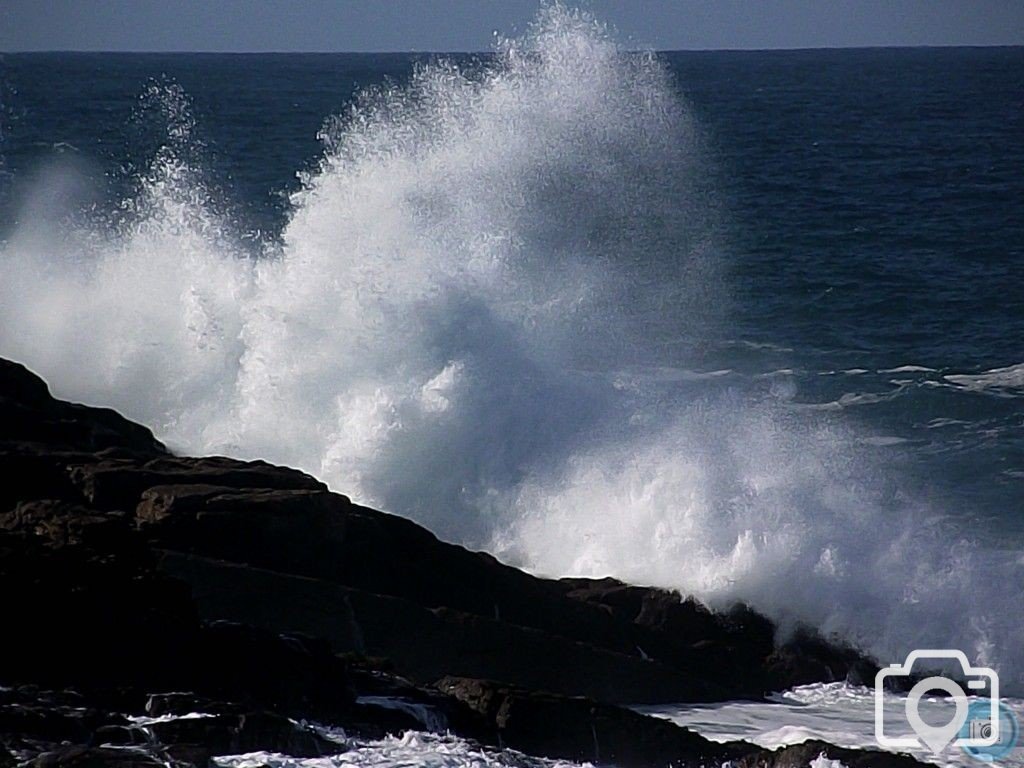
column 443, row 331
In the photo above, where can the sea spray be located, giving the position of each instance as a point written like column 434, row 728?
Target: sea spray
column 462, row 323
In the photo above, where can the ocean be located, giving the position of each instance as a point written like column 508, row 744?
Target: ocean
column 745, row 324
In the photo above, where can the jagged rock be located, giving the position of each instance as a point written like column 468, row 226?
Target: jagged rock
column 29, row 476
column 121, row 735
column 235, row 734
column 425, row 643
column 118, row 563
column 286, row 673
column 610, row 641
column 100, row 622
column 806, row 658
column 84, row 619
column 83, row 756
column 48, row 721
column 581, row 729
column 802, row 755
column 29, row 416
column 180, row 703
column 627, row 642
column 739, row 643
column 63, row 523
column 120, row 483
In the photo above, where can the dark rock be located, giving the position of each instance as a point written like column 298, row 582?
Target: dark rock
column 738, row 644
column 46, row 721
column 802, row 755
column 29, row 416
column 180, row 703
column 807, row 658
column 88, row 619
column 603, row 638
column 426, row 644
column 236, row 734
column 29, row 476
column 98, row 622
column 118, row 563
column 433, row 710
column 581, row 729
column 254, row 514
column 286, row 673
column 82, row 756
column 121, row 735
column 62, row 523
column 20, row 387
column 120, row 483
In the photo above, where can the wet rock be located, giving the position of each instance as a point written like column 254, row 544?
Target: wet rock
column 31, row 418
column 807, row 658
column 120, row 483
column 121, row 736
column 598, row 638
column 83, row 756
column 129, row 572
column 63, row 523
column 803, row 755
column 581, row 729
column 84, row 618
column 236, row 734
column 287, row 673
column 46, row 721
column 425, row 644
column 29, row 476
column 182, row 703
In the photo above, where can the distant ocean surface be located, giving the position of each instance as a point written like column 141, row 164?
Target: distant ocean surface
column 748, row 324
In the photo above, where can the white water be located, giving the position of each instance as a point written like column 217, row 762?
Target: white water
column 837, row 713
column 411, row 749
column 458, row 325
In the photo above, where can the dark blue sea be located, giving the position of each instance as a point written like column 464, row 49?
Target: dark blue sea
column 748, row 324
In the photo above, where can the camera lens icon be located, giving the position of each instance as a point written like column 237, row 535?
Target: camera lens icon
column 980, row 729
column 1005, row 731
column 960, row 729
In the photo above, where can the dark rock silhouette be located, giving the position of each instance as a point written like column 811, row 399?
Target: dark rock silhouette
column 137, row 582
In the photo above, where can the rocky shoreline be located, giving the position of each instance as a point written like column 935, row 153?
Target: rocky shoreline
column 142, row 587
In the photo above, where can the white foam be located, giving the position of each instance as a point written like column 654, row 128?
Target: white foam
column 908, row 369
column 410, row 749
column 997, row 380
column 836, row 713
column 823, row 762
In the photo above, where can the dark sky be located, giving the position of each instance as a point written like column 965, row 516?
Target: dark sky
column 458, row 25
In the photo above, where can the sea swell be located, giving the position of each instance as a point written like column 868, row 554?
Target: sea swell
column 462, row 322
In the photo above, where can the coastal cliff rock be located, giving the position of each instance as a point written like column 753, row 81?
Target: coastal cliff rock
column 141, row 583
column 583, row 730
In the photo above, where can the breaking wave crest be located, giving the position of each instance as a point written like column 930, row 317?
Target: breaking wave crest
column 454, row 325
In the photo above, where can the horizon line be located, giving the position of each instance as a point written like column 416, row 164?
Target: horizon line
column 438, row 52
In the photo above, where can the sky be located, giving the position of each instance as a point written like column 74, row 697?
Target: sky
column 469, row 25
